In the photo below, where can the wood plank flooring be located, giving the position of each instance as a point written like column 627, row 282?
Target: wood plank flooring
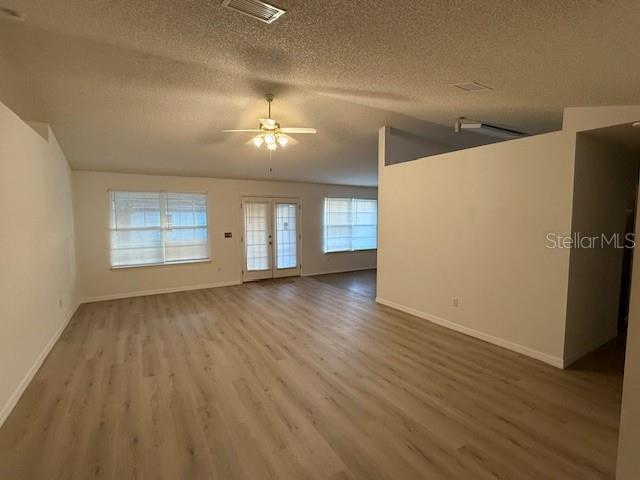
column 362, row 282
column 298, row 379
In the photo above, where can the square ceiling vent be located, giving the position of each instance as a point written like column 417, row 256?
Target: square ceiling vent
column 262, row 11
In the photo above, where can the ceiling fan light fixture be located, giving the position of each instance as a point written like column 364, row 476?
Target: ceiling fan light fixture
column 269, row 132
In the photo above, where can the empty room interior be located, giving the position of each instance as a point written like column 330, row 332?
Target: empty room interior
column 322, row 239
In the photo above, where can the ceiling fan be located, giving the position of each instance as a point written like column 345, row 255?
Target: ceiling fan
column 270, row 133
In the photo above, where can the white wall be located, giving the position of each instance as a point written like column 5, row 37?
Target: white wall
column 465, row 203
column 37, row 279
column 477, row 232
column 404, row 146
column 472, row 224
column 629, row 443
column 604, row 188
column 16, row 93
column 97, row 280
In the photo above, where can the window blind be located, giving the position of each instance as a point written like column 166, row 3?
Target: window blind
column 152, row 228
column 350, row 224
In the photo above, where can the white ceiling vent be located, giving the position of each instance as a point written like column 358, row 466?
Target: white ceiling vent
column 471, row 86
column 256, row 9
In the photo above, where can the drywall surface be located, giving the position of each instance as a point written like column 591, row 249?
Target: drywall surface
column 404, row 146
column 604, row 189
column 579, row 119
column 629, row 440
column 97, row 280
column 37, row 279
column 471, row 226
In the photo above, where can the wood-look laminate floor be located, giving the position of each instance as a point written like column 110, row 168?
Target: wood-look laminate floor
column 297, row 379
column 362, row 282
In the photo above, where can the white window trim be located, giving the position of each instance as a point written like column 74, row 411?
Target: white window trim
column 324, row 226
column 166, row 264
column 163, row 194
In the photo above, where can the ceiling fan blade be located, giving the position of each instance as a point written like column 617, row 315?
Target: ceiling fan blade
column 247, row 130
column 298, row 130
column 290, row 140
column 268, row 122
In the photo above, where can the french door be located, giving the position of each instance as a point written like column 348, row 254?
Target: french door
column 271, row 240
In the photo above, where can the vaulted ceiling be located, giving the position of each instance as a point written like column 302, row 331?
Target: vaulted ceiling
column 147, row 86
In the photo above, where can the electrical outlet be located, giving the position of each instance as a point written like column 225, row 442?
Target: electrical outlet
column 455, row 302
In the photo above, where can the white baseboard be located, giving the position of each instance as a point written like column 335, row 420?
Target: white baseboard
column 501, row 342
column 24, row 383
column 306, row 274
column 26, row 380
column 144, row 293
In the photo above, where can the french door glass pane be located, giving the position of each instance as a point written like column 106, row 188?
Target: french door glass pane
column 257, row 244
column 286, row 233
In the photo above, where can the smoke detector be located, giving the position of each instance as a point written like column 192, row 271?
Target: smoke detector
column 471, row 86
column 257, row 9
column 10, row 15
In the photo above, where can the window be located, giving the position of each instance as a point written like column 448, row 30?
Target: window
column 350, row 224
column 155, row 228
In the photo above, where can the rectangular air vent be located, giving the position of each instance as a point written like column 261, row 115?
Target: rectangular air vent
column 256, row 9
column 471, row 86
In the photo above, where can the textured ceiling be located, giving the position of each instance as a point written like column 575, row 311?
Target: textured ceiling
column 146, row 86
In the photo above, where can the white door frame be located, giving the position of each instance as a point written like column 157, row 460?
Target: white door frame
column 272, row 271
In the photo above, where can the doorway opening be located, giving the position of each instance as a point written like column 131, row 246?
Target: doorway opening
column 271, row 237
column 604, row 217
column 627, row 265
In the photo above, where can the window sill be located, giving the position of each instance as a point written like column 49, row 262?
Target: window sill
column 168, row 264
column 350, row 251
